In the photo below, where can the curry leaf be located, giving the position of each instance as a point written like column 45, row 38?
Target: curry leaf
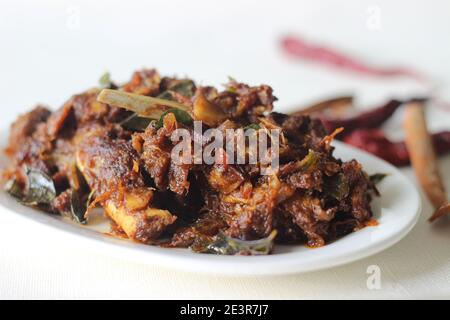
column 78, row 207
column 166, row 95
column 225, row 245
column 136, row 123
column 181, row 116
column 106, row 82
column 377, row 177
column 40, row 188
column 144, row 106
column 14, row 189
column 253, row 126
column 90, row 199
column 337, row 186
column 231, row 84
column 309, row 160
column 184, row 87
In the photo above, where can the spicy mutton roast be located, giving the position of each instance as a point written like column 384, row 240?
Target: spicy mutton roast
column 112, row 149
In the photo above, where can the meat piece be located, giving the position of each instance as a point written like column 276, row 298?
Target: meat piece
column 34, row 152
column 249, row 210
column 146, row 82
column 206, row 111
column 288, row 231
column 61, row 204
column 157, row 164
column 87, row 109
column 225, row 178
column 178, row 178
column 183, row 238
column 204, row 228
column 82, row 110
column 311, row 217
column 241, row 100
column 156, row 156
column 111, row 168
column 143, row 225
column 307, row 180
column 58, row 119
column 156, row 147
column 107, row 163
column 360, row 190
column 300, row 129
column 24, row 127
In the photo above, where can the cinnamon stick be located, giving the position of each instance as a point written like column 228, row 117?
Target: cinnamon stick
column 423, row 158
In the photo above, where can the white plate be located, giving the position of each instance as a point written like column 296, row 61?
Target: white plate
column 396, row 212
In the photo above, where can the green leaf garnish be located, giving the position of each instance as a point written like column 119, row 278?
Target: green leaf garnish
column 309, row 160
column 225, row 245
column 337, row 186
column 181, row 116
column 184, row 87
column 40, row 188
column 136, row 123
column 78, row 206
column 377, row 177
column 106, row 82
column 166, row 95
column 253, row 126
column 144, row 106
column 14, row 189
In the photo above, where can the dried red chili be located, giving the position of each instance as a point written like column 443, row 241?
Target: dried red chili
column 359, row 130
column 303, row 50
column 299, row 48
column 366, row 120
column 376, row 142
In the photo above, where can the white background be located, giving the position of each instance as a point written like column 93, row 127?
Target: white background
column 52, row 49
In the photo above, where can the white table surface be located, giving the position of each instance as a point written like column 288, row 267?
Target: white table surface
column 52, row 49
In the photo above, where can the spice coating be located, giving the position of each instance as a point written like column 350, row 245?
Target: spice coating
column 94, row 150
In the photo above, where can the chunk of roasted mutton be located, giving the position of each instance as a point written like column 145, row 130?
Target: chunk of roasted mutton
column 83, row 137
column 111, row 168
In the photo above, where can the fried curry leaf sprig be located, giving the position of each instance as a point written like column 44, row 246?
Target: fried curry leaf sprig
column 39, row 189
column 144, row 106
column 186, row 88
column 79, row 204
column 226, row 245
